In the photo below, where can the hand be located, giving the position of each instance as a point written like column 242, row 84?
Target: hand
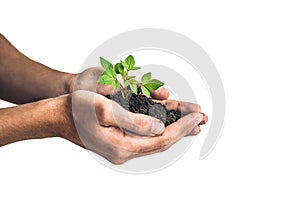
column 102, row 125
column 87, row 80
column 185, row 108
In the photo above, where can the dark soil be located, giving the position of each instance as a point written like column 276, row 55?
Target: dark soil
column 144, row 105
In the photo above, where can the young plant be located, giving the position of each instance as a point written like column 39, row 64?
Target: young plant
column 123, row 81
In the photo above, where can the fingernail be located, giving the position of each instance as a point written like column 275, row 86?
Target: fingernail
column 204, row 119
column 157, row 127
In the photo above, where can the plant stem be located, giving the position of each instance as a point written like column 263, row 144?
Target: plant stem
column 124, row 89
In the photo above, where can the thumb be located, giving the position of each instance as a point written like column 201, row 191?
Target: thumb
column 134, row 122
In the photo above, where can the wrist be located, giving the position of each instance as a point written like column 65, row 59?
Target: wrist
column 68, row 82
column 63, row 122
column 61, row 118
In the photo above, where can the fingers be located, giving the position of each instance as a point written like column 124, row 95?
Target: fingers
column 174, row 132
column 110, row 113
column 124, row 147
column 205, row 119
column 105, row 89
column 160, row 94
column 182, row 106
column 195, row 131
column 182, row 127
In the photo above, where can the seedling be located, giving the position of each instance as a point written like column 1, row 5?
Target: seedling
column 118, row 77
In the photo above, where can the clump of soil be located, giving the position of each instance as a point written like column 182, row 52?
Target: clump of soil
column 144, row 105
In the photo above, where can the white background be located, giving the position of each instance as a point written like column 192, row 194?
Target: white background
column 255, row 46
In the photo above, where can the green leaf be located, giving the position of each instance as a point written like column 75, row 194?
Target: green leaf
column 129, row 77
column 146, row 78
column 133, row 87
column 145, row 91
column 115, row 84
column 110, row 71
column 135, row 68
column 106, row 79
column 130, row 61
column 125, row 65
column 126, row 83
column 119, row 69
column 108, row 76
column 153, row 84
column 132, row 81
column 104, row 63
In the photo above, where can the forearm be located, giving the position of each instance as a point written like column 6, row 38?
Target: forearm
column 42, row 119
column 23, row 80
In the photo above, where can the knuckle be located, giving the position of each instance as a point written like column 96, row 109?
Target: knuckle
column 104, row 115
column 105, row 90
column 105, row 118
column 140, row 122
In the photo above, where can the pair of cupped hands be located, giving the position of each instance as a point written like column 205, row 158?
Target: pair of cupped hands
column 106, row 128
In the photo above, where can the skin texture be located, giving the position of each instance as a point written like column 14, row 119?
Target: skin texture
column 73, row 107
column 23, row 80
column 35, row 120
